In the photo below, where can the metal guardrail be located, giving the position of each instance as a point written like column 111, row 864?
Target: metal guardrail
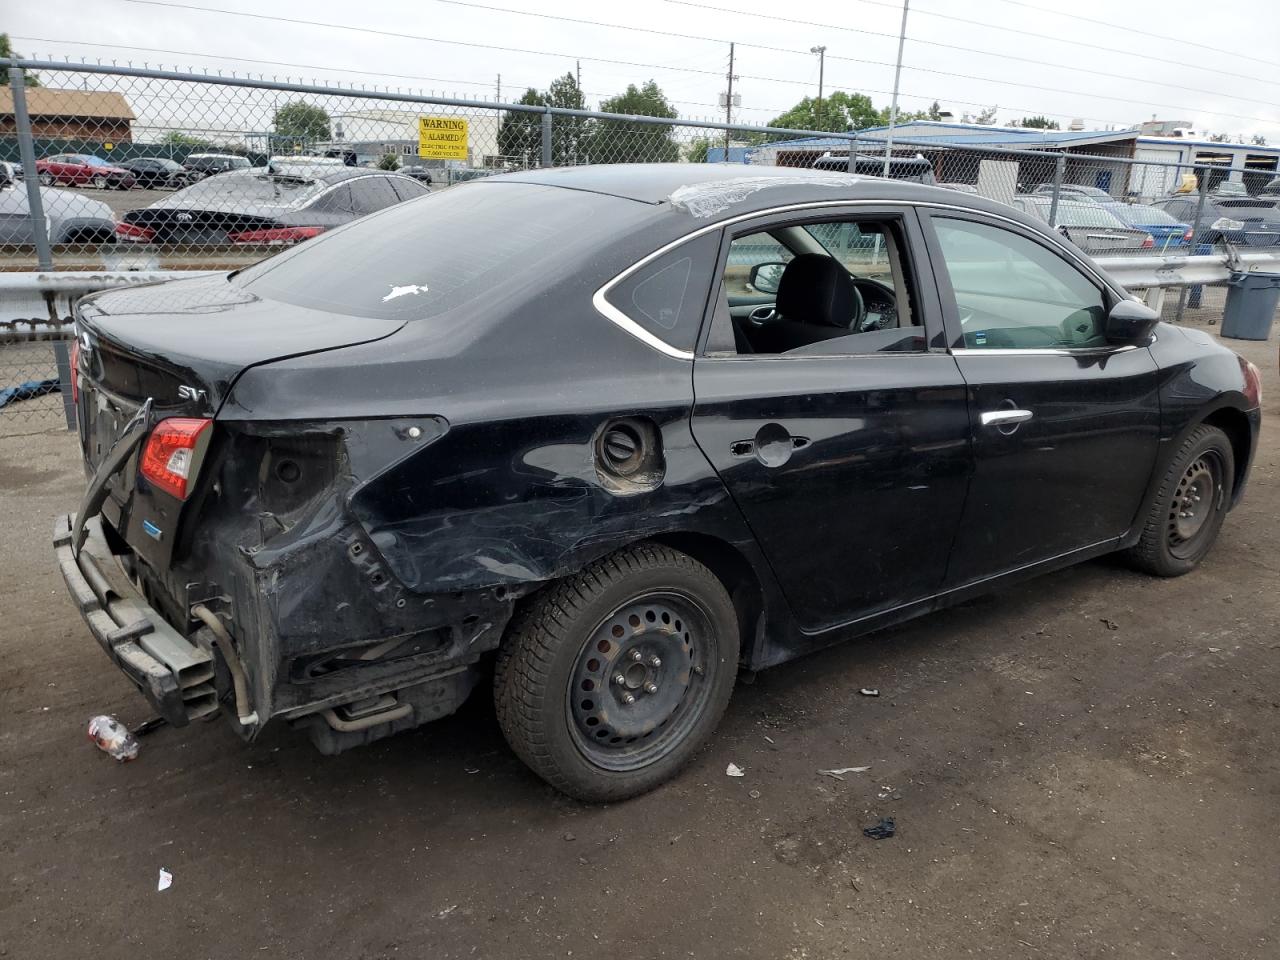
column 1152, row 272
column 43, row 298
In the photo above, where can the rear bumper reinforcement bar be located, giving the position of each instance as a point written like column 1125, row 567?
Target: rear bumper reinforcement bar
column 174, row 674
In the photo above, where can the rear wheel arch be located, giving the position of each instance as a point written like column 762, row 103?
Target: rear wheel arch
column 734, row 571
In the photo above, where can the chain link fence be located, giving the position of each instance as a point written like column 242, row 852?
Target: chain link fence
column 108, row 168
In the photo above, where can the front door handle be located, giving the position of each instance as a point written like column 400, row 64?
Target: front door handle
column 1005, row 418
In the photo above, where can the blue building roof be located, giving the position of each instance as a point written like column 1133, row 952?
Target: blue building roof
column 970, row 134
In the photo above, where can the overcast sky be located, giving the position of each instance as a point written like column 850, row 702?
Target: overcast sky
column 1059, row 77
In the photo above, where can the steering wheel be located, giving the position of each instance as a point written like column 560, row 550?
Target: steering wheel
column 886, row 294
column 859, row 310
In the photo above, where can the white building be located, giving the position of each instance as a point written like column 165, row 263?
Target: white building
column 372, row 133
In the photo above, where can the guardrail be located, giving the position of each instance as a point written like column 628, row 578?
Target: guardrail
column 43, row 298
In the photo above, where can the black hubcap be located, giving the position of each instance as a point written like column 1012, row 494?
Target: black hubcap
column 640, row 681
column 1194, row 502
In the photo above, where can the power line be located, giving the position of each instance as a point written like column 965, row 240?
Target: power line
column 688, row 36
column 1143, row 33
column 347, row 70
column 946, row 16
column 411, row 36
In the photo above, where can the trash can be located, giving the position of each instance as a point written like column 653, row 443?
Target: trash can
column 1251, row 305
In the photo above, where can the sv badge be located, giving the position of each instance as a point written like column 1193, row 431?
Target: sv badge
column 190, row 393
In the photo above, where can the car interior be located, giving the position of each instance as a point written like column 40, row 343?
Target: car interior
column 821, row 288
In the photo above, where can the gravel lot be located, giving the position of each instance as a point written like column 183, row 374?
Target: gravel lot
column 1086, row 766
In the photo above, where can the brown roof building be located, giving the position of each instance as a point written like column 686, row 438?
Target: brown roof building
column 71, row 114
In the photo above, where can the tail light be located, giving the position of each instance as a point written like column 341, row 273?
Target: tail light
column 1187, row 236
column 128, row 231
column 276, row 235
column 171, row 451
column 1148, row 243
column 1252, row 383
column 75, row 372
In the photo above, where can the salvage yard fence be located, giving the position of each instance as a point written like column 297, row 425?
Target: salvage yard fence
column 109, row 170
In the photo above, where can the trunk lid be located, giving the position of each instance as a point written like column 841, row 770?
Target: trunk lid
column 199, row 333
column 180, row 344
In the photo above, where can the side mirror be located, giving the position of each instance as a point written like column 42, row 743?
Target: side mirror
column 765, row 277
column 1131, row 321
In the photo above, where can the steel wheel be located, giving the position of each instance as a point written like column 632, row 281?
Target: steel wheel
column 1198, row 494
column 46, row 179
column 640, row 681
column 100, row 182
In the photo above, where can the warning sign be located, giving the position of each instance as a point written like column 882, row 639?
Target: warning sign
column 442, row 138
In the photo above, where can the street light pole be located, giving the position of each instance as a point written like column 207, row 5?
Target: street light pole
column 822, row 60
column 897, row 73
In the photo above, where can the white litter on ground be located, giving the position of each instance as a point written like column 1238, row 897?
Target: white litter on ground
column 166, row 880
column 733, row 770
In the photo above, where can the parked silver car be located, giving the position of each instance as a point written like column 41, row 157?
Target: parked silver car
column 1088, row 225
column 72, row 217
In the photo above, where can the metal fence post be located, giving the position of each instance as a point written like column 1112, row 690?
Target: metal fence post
column 853, row 151
column 1192, row 296
column 546, row 138
column 27, row 150
column 1059, row 171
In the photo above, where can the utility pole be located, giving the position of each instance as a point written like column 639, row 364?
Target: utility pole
column 897, row 72
column 728, row 106
column 822, row 60
column 499, row 94
column 577, row 75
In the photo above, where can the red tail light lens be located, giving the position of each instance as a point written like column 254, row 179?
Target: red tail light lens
column 170, row 452
column 75, row 371
column 1252, row 383
column 276, row 235
column 1187, row 236
column 1148, row 243
column 128, row 231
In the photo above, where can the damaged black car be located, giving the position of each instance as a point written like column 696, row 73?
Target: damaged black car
column 596, row 438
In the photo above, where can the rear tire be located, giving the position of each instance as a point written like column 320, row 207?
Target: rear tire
column 611, row 680
column 1190, row 504
column 46, row 179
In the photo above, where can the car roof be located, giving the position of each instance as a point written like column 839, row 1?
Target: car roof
column 707, row 190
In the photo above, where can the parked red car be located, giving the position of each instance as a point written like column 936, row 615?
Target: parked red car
column 78, row 169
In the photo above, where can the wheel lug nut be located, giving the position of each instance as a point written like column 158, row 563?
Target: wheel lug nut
column 655, row 662
column 619, row 679
column 628, row 698
column 650, row 687
column 637, row 656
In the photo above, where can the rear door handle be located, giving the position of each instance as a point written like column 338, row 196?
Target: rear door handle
column 1005, row 418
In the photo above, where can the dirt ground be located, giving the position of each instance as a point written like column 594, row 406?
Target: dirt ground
column 1086, row 766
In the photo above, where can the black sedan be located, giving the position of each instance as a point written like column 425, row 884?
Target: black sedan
column 268, row 207
column 604, row 436
column 156, row 172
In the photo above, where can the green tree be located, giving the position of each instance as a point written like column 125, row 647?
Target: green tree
column 838, row 113
column 7, row 52
column 520, row 133
column 302, row 121
column 697, row 150
column 1039, row 122
column 626, row 141
column 388, row 161
column 568, row 134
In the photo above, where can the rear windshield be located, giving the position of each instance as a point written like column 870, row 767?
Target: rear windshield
column 425, row 257
column 1140, row 215
column 1085, row 215
column 247, row 189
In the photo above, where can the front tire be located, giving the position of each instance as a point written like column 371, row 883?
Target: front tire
column 1189, row 507
column 611, row 680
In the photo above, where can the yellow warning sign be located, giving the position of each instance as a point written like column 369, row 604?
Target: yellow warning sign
column 442, row 138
